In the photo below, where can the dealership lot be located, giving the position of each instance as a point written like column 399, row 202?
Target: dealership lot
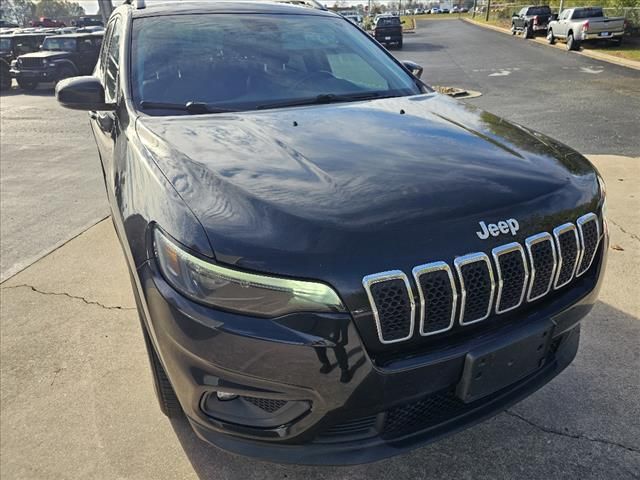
column 77, row 399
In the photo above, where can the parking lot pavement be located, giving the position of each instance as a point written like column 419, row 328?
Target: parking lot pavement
column 77, row 399
column 590, row 105
column 50, row 184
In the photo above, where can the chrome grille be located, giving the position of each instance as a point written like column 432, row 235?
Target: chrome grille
column 513, row 274
column 568, row 253
column 589, row 230
column 438, row 297
column 393, row 305
column 542, row 257
column 477, row 285
column 550, row 260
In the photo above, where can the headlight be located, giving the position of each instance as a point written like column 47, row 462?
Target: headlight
column 239, row 291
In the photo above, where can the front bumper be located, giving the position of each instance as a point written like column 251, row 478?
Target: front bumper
column 40, row 75
column 320, row 361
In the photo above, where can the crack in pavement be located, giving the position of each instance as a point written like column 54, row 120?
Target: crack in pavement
column 632, row 235
column 575, row 436
column 74, row 297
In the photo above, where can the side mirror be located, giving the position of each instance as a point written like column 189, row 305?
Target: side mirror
column 82, row 93
column 414, row 68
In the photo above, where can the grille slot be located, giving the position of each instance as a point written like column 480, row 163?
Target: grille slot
column 438, row 297
column 513, row 275
column 568, row 253
column 477, row 285
column 362, row 427
column 269, row 405
column 542, row 255
column 393, row 305
column 589, row 230
column 31, row 62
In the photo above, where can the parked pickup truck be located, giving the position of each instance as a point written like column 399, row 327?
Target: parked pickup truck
column 388, row 30
column 530, row 20
column 577, row 25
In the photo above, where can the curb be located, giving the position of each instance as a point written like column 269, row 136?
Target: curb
column 587, row 53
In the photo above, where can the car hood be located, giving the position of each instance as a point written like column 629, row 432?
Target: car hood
column 343, row 190
column 45, row 54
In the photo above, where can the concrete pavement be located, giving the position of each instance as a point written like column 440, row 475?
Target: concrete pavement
column 77, row 399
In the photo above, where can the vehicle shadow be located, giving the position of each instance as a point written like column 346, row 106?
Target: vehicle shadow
column 421, row 47
column 555, row 426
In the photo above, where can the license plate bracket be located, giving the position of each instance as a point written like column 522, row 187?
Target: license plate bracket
column 501, row 363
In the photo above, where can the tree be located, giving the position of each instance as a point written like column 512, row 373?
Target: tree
column 58, row 9
column 19, row 11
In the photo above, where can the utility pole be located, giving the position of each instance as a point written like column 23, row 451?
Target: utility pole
column 105, row 7
column 486, row 17
column 475, row 4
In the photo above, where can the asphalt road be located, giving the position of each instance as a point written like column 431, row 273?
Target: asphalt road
column 590, row 105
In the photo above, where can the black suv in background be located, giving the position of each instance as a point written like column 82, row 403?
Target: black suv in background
column 61, row 56
column 530, row 20
column 12, row 46
column 308, row 294
column 387, row 30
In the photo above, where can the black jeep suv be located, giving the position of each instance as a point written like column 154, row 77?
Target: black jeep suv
column 331, row 262
column 12, row 46
column 61, row 56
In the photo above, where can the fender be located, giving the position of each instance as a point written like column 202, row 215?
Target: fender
column 66, row 61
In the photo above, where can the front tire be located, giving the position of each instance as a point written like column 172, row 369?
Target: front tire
column 28, row 85
column 550, row 38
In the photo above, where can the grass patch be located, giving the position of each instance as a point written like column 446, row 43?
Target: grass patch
column 630, row 49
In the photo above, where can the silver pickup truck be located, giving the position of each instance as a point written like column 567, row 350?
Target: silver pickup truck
column 577, row 25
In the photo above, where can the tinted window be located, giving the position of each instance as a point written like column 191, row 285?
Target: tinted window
column 59, row 44
column 5, row 44
column 539, row 11
column 388, row 22
column 243, row 62
column 587, row 13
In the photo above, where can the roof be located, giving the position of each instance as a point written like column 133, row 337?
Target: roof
column 224, row 6
column 78, row 35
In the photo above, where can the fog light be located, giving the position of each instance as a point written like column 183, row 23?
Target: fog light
column 226, row 396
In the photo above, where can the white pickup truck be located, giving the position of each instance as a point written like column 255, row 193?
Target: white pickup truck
column 577, row 25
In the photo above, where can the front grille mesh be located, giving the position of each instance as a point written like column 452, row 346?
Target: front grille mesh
column 590, row 237
column 543, row 264
column 438, row 294
column 267, row 404
column 31, row 62
column 568, row 253
column 512, row 270
column 478, row 284
column 552, row 261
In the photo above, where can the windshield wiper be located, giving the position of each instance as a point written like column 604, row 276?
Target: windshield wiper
column 321, row 99
column 194, row 108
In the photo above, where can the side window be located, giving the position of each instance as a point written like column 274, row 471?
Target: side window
column 99, row 70
column 111, row 64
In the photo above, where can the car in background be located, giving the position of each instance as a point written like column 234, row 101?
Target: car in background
column 47, row 23
column 577, row 25
column 531, row 20
column 88, row 22
column 11, row 47
column 61, row 56
column 387, row 29
column 355, row 19
column 444, row 10
column 435, row 11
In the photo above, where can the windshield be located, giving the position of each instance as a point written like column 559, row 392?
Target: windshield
column 250, row 61
column 5, row 44
column 60, row 44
